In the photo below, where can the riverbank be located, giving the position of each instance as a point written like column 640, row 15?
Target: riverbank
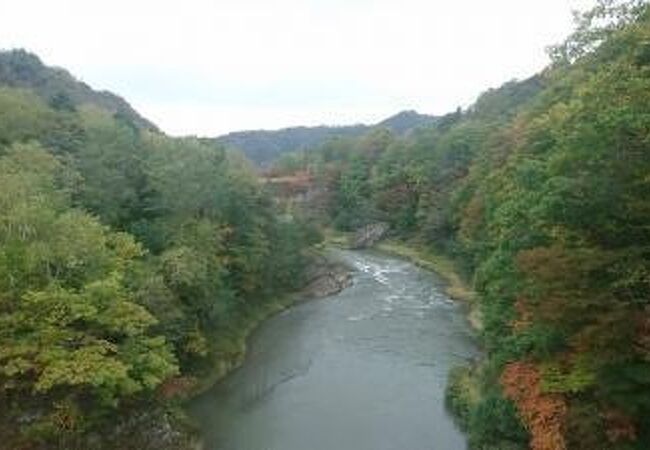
column 325, row 276
column 162, row 422
column 463, row 391
column 455, row 286
column 382, row 360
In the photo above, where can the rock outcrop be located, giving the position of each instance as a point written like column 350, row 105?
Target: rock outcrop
column 326, row 277
column 369, row 235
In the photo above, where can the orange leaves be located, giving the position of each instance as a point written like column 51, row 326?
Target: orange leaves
column 544, row 414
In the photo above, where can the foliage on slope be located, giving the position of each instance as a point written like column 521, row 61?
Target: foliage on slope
column 21, row 69
column 541, row 192
column 124, row 255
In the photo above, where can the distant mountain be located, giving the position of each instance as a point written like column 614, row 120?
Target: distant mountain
column 265, row 146
column 22, row 69
column 404, row 121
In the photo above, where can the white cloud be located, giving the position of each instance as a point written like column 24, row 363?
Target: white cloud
column 208, row 67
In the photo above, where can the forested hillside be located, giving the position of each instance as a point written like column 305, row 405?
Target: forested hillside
column 21, row 69
column 541, row 193
column 264, row 147
column 128, row 260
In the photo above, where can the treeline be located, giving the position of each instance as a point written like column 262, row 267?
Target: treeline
column 541, row 192
column 264, row 147
column 124, row 255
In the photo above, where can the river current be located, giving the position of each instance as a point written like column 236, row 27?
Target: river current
column 363, row 370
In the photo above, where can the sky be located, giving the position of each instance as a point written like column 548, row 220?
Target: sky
column 201, row 67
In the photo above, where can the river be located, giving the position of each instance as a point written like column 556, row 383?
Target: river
column 363, row 370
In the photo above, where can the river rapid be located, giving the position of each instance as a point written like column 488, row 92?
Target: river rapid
column 363, row 370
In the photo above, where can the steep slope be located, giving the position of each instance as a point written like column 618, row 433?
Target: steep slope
column 21, row 69
column 540, row 192
column 132, row 264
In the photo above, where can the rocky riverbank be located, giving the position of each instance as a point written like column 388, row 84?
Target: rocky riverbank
column 455, row 286
column 326, row 277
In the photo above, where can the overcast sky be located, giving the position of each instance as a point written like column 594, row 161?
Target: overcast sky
column 208, row 67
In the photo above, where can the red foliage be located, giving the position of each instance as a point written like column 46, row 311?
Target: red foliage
column 543, row 414
column 619, row 427
column 642, row 341
column 175, row 387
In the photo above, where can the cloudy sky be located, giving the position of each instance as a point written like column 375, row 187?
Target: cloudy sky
column 207, row 67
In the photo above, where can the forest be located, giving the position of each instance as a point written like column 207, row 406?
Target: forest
column 127, row 259
column 540, row 192
column 130, row 261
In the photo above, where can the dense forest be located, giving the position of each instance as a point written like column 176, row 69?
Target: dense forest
column 540, row 192
column 130, row 261
column 127, row 259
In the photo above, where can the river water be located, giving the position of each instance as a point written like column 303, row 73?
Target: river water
column 363, row 370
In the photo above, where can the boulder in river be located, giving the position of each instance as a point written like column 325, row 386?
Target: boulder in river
column 369, row 235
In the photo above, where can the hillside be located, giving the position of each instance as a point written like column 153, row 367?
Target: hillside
column 265, row 146
column 404, row 121
column 540, row 192
column 57, row 87
column 132, row 266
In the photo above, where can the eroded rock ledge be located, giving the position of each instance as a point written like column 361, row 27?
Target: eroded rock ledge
column 326, row 277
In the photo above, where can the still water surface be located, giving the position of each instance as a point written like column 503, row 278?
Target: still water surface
column 363, row 370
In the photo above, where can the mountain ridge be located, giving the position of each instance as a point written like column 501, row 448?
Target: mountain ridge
column 20, row 68
column 264, row 146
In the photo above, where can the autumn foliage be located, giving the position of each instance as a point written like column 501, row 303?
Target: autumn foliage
column 544, row 414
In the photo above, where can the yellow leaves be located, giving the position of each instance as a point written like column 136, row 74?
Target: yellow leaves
column 94, row 339
column 16, row 366
column 126, row 248
column 56, row 306
column 572, row 377
column 89, row 365
column 196, row 343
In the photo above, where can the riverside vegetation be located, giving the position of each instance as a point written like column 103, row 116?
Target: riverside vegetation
column 540, row 193
column 130, row 261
